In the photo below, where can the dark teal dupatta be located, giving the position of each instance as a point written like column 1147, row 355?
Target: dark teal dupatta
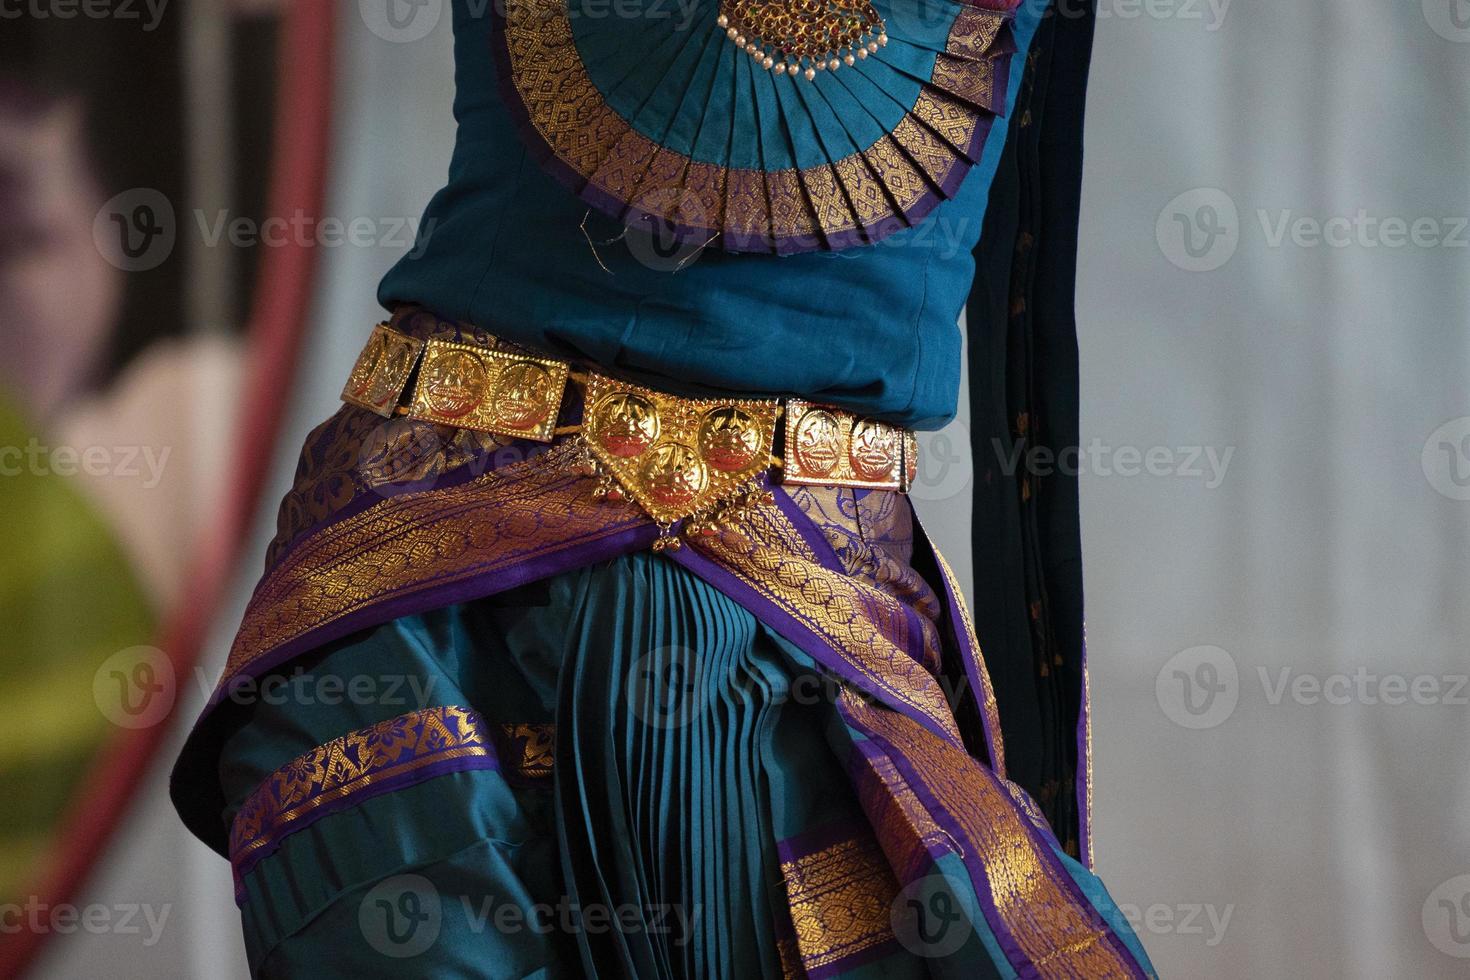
column 1024, row 405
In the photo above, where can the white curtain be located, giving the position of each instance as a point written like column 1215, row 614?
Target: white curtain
column 1328, row 827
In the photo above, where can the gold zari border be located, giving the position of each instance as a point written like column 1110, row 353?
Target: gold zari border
column 857, row 193
column 1060, row 936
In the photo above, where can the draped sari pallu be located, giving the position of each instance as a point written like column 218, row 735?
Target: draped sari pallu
column 389, row 518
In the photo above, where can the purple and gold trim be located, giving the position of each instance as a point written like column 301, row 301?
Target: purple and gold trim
column 346, row 771
column 419, row 551
column 824, row 566
column 976, row 673
column 778, row 565
column 859, row 199
column 839, row 892
column 930, row 797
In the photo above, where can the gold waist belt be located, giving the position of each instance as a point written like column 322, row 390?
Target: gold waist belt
column 677, row 457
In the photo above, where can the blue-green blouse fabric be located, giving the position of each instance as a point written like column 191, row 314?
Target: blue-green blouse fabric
column 685, row 751
column 872, row 328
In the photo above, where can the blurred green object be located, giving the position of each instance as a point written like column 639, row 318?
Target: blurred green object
column 68, row 600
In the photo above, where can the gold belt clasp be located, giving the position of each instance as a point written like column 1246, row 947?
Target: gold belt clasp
column 464, row 385
column 677, row 457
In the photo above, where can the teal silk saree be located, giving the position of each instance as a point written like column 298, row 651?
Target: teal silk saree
column 474, row 725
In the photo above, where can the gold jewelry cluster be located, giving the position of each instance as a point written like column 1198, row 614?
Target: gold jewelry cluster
column 803, row 37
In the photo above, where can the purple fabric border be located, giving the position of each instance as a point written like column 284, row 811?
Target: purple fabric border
column 818, row 542
column 194, row 767
column 962, row 636
column 872, row 744
column 981, row 884
column 792, row 629
column 810, row 842
column 633, row 538
column 478, row 466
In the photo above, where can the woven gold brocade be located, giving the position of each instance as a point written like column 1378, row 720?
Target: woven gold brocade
column 1061, row 936
column 418, row 540
column 866, row 625
column 858, row 191
column 841, row 900
column 349, row 765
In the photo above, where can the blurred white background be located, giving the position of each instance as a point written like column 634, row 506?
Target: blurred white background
column 1272, row 301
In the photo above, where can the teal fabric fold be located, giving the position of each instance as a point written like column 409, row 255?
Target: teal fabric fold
column 697, row 752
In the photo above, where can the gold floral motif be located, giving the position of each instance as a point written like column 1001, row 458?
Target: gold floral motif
column 841, row 900
column 1060, row 935
column 412, row 541
column 864, row 624
column 873, row 538
column 530, row 749
column 351, row 765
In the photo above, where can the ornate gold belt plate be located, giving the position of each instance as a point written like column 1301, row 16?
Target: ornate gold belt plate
column 676, row 457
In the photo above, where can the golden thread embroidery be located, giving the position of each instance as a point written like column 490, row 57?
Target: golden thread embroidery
column 418, row 540
column 1057, row 933
column 887, row 179
column 531, row 750
column 841, row 900
column 970, row 649
column 351, row 764
column 866, row 626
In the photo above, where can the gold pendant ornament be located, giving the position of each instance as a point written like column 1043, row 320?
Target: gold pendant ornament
column 803, row 36
column 676, row 456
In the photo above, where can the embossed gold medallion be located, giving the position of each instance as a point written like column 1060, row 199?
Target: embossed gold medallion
column 382, row 370
column 677, row 456
column 829, row 446
column 489, row 391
